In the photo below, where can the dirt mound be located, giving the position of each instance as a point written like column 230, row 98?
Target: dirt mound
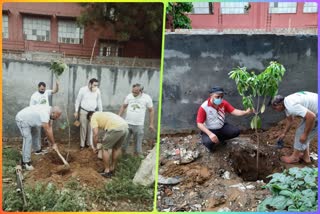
column 84, row 167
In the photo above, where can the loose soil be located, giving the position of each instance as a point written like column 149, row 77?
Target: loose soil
column 84, row 169
column 206, row 183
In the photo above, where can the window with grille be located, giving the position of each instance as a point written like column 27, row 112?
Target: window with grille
column 110, row 49
column 310, row 7
column 37, row 29
column 202, row 8
column 282, row 7
column 69, row 32
column 234, row 7
column 5, row 26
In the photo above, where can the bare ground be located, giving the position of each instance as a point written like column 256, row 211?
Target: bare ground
column 205, row 184
column 84, row 169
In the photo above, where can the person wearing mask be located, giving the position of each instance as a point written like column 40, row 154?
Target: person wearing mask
column 211, row 119
column 41, row 97
column 88, row 99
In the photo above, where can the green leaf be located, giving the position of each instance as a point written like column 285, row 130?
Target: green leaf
column 263, row 206
column 279, row 202
column 295, row 172
column 293, row 208
column 263, row 108
column 252, row 123
column 309, row 179
column 286, row 193
column 258, row 122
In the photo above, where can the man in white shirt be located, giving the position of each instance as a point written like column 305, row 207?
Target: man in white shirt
column 88, row 99
column 303, row 104
column 136, row 104
column 41, row 97
column 35, row 116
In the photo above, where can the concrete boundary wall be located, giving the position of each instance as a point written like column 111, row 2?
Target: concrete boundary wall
column 20, row 80
column 195, row 63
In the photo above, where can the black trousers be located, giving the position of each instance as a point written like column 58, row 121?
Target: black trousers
column 225, row 133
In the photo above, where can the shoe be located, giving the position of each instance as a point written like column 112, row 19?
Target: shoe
column 81, row 148
column 41, row 152
column 106, row 174
column 27, row 166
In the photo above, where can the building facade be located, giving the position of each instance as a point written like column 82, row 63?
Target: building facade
column 265, row 16
column 52, row 27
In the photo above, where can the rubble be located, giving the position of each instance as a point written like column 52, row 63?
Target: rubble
column 168, row 181
column 243, row 187
column 211, row 181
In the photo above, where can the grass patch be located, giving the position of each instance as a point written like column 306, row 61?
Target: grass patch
column 121, row 186
column 44, row 198
column 39, row 198
column 10, row 157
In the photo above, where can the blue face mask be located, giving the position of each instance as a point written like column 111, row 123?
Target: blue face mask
column 217, row 101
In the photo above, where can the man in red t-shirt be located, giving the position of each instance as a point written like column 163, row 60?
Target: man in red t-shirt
column 211, row 119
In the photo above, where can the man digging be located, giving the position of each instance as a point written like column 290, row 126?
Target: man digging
column 28, row 120
column 305, row 105
column 116, row 132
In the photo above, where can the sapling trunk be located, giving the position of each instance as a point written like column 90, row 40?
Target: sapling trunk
column 255, row 86
column 69, row 131
column 257, row 134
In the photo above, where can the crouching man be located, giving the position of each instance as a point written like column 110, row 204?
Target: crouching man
column 116, row 132
column 28, row 121
column 302, row 104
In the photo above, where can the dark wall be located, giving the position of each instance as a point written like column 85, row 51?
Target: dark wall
column 195, row 63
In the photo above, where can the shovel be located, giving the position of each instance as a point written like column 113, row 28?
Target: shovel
column 66, row 166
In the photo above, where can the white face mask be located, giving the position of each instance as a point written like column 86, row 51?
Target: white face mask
column 94, row 89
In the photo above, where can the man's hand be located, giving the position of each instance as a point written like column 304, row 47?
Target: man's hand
column 151, row 128
column 303, row 138
column 214, row 138
column 94, row 150
column 76, row 115
column 55, row 147
column 250, row 111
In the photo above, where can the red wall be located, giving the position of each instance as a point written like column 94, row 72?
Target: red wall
column 256, row 18
column 56, row 11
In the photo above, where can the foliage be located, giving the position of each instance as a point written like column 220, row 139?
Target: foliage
column 251, row 86
column 58, row 67
column 293, row 190
column 177, row 12
column 10, row 159
column 44, row 198
column 260, row 86
column 121, row 186
column 129, row 21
